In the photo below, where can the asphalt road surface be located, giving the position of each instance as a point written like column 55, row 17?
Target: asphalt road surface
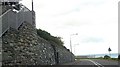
column 95, row 63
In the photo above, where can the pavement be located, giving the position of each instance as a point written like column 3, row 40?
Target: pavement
column 95, row 63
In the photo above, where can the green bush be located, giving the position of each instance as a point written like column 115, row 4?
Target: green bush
column 100, row 57
column 47, row 36
column 119, row 57
column 106, row 57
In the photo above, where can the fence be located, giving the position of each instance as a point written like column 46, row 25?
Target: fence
column 4, row 22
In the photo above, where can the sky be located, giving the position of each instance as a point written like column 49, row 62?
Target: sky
column 95, row 21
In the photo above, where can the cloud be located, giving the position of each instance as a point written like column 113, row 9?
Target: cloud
column 68, row 12
column 96, row 21
column 92, row 40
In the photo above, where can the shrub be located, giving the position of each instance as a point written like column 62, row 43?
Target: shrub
column 106, row 57
column 119, row 57
column 47, row 36
column 100, row 57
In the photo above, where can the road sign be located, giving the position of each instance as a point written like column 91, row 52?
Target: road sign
column 109, row 49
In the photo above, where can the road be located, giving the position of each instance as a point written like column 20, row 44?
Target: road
column 95, row 63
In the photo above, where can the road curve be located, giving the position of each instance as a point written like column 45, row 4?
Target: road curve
column 95, row 62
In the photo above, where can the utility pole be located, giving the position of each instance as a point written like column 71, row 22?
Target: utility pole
column 33, row 14
column 32, row 6
column 70, row 44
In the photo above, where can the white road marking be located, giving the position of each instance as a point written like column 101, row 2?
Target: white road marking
column 99, row 64
column 96, row 63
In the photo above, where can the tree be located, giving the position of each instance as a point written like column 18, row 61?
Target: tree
column 106, row 57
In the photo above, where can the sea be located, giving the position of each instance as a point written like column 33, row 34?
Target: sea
column 112, row 55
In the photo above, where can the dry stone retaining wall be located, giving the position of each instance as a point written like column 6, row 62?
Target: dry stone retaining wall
column 25, row 47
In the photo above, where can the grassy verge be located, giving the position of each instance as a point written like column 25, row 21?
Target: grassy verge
column 116, row 59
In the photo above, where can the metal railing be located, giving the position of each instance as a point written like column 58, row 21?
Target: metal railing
column 4, row 22
column 14, row 19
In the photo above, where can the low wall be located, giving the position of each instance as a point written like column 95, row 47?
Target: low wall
column 25, row 47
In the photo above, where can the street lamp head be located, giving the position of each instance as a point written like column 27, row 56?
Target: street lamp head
column 76, row 34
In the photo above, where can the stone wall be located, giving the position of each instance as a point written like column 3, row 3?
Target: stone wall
column 25, row 47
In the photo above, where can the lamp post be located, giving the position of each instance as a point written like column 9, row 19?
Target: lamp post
column 75, row 47
column 71, row 41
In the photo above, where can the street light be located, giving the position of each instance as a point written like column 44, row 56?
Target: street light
column 74, row 47
column 70, row 40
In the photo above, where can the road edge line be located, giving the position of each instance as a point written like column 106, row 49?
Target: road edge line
column 96, row 63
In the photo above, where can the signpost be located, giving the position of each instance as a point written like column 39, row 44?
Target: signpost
column 109, row 49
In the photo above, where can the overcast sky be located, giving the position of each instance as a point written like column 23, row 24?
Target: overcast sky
column 95, row 21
